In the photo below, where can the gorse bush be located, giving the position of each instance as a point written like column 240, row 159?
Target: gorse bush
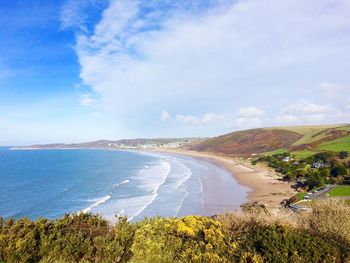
column 73, row 238
column 319, row 236
column 188, row 239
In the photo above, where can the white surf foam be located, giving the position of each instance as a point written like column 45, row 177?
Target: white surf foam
column 152, row 180
column 98, row 202
column 121, row 183
column 181, row 183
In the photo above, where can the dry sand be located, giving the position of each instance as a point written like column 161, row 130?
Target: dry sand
column 264, row 184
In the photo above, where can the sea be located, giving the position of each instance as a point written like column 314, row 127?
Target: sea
column 112, row 183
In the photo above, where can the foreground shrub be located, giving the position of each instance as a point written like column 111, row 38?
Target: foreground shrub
column 330, row 219
column 73, row 238
column 318, row 236
column 19, row 241
column 189, row 239
column 280, row 243
column 276, row 238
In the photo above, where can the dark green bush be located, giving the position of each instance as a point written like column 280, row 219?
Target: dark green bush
column 278, row 243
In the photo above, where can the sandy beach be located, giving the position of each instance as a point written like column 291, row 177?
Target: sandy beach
column 264, row 184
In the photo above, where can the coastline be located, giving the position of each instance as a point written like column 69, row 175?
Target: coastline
column 260, row 183
column 264, row 184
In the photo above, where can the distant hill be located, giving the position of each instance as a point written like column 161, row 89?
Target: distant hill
column 299, row 140
column 111, row 144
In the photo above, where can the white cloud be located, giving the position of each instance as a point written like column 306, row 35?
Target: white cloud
column 249, row 117
column 165, row 116
column 206, row 119
column 88, row 100
column 212, row 117
column 250, row 112
column 75, row 13
column 308, row 108
column 304, row 111
column 141, row 59
column 187, row 119
column 72, row 14
column 206, row 54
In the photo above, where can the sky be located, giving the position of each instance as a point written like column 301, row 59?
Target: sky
column 80, row 70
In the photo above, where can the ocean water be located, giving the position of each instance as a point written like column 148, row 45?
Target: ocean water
column 50, row 183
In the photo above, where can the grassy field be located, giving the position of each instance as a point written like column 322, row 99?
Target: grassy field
column 302, row 154
column 341, row 144
column 278, row 151
column 304, row 130
column 340, row 191
column 311, row 137
column 313, row 134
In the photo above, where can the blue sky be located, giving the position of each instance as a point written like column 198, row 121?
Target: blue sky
column 80, row 70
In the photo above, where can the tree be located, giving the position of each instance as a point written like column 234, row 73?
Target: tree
column 339, row 169
column 315, row 179
column 343, row 155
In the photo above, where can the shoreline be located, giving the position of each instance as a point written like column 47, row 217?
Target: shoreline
column 221, row 192
column 263, row 184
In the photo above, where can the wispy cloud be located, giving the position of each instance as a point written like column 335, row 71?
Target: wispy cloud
column 206, row 119
column 75, row 14
column 248, row 117
column 144, row 56
column 304, row 111
column 89, row 100
column 165, row 116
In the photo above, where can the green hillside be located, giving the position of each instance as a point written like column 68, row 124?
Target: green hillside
column 301, row 141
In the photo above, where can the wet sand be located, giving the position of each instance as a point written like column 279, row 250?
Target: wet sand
column 221, row 192
column 264, row 184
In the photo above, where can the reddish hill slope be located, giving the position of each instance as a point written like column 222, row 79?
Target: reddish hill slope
column 251, row 141
column 295, row 139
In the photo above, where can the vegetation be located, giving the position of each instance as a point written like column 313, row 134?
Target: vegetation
column 278, row 151
column 322, row 235
column 340, row 191
column 302, row 141
column 300, row 196
column 302, row 154
column 341, row 144
column 310, row 172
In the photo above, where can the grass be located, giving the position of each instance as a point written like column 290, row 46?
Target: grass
column 313, row 133
column 278, row 151
column 311, row 137
column 303, row 154
column 340, row 144
column 346, row 127
column 304, row 130
column 340, row 191
column 301, row 195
